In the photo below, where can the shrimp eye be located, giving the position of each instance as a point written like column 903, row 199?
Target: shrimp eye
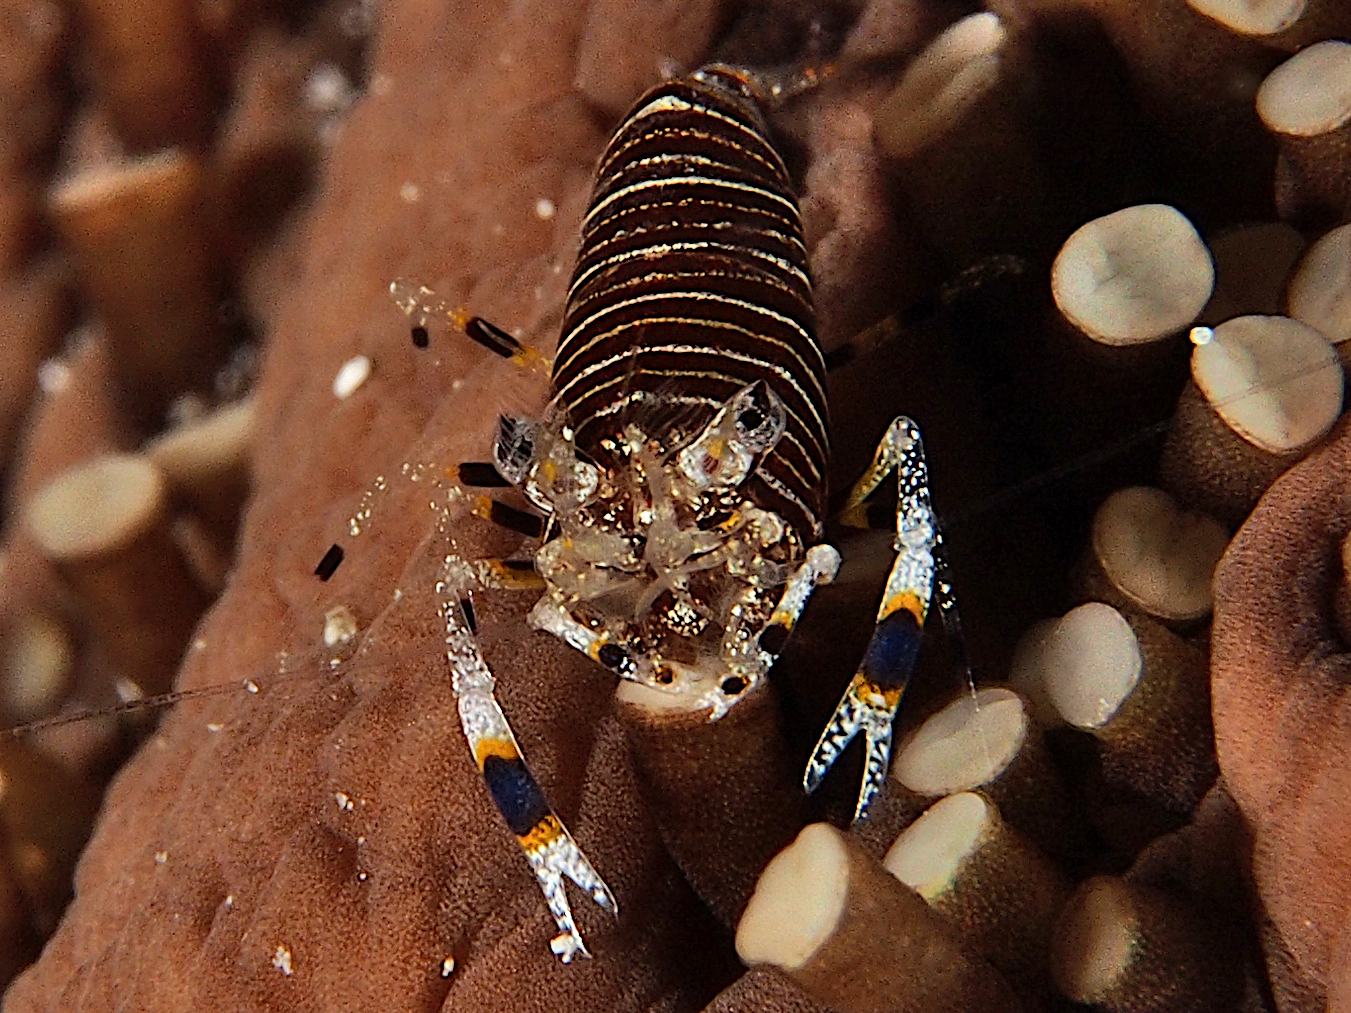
column 760, row 417
column 616, row 659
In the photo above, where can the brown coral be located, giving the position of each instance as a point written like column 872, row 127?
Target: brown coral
column 1279, row 675
column 326, row 842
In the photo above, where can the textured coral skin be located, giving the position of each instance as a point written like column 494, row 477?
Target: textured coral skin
column 1279, row 677
column 326, row 843
column 766, row 989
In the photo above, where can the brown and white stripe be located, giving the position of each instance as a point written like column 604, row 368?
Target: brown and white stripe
column 692, row 282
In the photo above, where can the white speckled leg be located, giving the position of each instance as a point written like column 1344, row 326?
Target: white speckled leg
column 859, row 710
column 870, row 702
column 549, row 848
column 561, row 857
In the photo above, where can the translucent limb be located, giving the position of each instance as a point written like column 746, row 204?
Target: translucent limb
column 549, row 848
column 870, row 702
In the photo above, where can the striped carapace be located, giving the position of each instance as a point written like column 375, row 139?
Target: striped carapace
column 682, row 459
column 692, row 282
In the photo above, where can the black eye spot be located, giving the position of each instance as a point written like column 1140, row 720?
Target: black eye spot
column 733, row 686
column 420, row 336
column 613, row 657
column 760, row 417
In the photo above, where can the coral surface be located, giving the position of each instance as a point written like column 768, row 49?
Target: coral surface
column 306, row 829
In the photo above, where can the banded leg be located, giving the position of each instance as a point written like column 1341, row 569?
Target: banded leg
column 422, row 305
column 870, row 702
column 757, row 654
column 548, row 847
column 820, row 567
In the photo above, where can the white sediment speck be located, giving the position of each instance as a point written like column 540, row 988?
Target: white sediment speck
column 447, row 967
column 544, row 207
column 344, row 801
column 340, row 626
column 214, row 726
column 281, row 960
column 354, row 372
column 53, row 375
column 411, row 193
column 251, row 686
column 161, row 857
column 327, row 89
column 128, row 691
